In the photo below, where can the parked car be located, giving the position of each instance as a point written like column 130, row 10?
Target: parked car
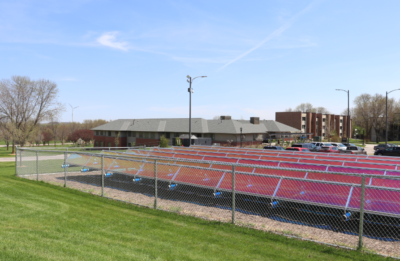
column 354, row 150
column 309, row 146
column 340, row 146
column 318, row 145
column 391, row 151
column 274, row 148
column 329, row 149
column 349, row 144
column 380, row 147
column 298, row 149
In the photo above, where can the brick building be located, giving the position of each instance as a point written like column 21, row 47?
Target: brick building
column 317, row 123
column 148, row 131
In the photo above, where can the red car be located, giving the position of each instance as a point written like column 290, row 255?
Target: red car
column 329, row 149
column 298, row 149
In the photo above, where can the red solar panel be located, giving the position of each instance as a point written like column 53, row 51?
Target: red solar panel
column 250, row 184
column 203, row 177
column 384, row 201
column 327, row 194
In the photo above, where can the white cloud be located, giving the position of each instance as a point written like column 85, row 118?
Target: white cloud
column 109, row 39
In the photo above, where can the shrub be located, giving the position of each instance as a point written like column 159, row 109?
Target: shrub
column 163, row 142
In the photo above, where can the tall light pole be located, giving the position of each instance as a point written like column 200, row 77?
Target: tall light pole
column 386, row 136
column 348, row 113
column 190, row 90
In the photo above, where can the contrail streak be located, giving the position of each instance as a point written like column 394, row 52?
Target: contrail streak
column 272, row 35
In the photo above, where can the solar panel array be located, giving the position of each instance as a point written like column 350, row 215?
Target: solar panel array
column 325, row 184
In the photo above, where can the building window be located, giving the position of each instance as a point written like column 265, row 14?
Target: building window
column 167, row 135
column 97, row 144
column 323, row 127
column 303, row 127
column 341, row 121
column 176, row 134
column 303, row 118
column 341, row 127
column 323, row 134
column 109, row 134
column 101, row 144
column 140, row 134
column 323, row 120
column 152, row 135
column 129, row 134
column 134, row 134
column 109, row 144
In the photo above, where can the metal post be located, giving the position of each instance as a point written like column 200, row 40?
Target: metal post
column 348, row 117
column 155, row 184
column 233, row 194
column 386, row 136
column 360, row 232
column 102, row 175
column 65, row 169
column 363, row 138
column 37, row 166
column 16, row 160
column 190, row 111
column 20, row 158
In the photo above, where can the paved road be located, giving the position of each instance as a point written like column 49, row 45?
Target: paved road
column 369, row 148
column 9, row 159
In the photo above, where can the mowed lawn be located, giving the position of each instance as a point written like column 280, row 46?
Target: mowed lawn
column 39, row 221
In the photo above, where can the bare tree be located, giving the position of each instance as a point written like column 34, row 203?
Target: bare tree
column 322, row 110
column 289, row 110
column 63, row 132
column 308, row 107
column 216, row 117
column 25, row 103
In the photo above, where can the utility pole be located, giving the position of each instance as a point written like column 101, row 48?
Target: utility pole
column 190, row 90
column 386, row 136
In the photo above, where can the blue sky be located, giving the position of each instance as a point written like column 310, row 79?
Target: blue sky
column 129, row 59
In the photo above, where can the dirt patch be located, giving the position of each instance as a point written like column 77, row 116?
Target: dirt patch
column 92, row 185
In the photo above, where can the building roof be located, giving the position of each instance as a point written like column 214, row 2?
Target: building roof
column 199, row 125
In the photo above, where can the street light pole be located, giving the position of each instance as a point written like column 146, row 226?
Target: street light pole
column 386, row 136
column 190, row 90
column 348, row 113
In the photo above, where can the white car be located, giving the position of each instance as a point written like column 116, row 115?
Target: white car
column 340, row 146
column 318, row 145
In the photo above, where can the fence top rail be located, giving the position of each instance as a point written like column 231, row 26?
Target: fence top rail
column 280, row 157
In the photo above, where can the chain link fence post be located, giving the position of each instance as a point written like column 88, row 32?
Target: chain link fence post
column 155, row 184
column 102, row 175
column 233, row 194
column 16, row 160
column 37, row 165
column 20, row 158
column 361, row 228
column 65, row 169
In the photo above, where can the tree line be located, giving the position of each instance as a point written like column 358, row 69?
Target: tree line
column 25, row 107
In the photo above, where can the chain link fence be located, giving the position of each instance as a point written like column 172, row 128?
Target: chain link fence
column 351, row 210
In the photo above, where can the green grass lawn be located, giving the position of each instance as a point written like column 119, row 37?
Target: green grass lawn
column 40, row 221
column 6, row 153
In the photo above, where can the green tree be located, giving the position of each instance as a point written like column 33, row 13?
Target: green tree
column 163, row 142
